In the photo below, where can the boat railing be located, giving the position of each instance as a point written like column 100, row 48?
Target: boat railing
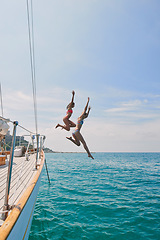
column 39, row 142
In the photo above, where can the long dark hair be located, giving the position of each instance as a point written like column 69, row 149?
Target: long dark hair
column 70, row 105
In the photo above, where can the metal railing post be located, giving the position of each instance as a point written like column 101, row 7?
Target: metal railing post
column 37, row 149
column 33, row 137
column 40, row 147
column 6, row 206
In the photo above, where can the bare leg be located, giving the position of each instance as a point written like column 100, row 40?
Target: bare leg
column 71, row 124
column 75, row 140
column 58, row 125
column 78, row 138
column 87, row 150
column 84, row 144
column 67, row 128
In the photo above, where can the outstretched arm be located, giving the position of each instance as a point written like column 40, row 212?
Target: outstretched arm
column 88, row 110
column 69, row 106
column 85, row 109
column 73, row 93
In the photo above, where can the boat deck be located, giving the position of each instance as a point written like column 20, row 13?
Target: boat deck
column 22, row 172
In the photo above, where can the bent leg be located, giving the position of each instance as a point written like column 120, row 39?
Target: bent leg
column 67, row 128
column 66, row 122
column 75, row 140
column 71, row 124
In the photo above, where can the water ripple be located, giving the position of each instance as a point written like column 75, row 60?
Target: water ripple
column 115, row 197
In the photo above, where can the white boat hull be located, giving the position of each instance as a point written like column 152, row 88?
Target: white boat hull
column 22, row 227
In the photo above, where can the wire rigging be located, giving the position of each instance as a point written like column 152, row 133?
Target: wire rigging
column 32, row 56
column 1, row 100
column 8, row 120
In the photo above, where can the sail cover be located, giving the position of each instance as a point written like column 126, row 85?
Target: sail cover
column 3, row 127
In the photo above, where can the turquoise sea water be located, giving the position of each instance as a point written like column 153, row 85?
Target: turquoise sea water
column 115, row 196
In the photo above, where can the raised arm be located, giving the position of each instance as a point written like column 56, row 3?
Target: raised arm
column 70, row 105
column 88, row 110
column 85, row 109
column 73, row 93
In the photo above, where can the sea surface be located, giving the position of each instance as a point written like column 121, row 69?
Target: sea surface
column 115, row 196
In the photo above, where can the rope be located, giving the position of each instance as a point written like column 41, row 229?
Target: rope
column 8, row 120
column 26, row 130
column 47, row 170
column 32, row 57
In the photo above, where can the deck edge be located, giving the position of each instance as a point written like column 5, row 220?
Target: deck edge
column 9, row 223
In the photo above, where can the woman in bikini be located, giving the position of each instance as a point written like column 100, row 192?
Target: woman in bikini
column 68, row 123
column 77, row 136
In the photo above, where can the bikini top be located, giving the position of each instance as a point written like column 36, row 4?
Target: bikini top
column 81, row 122
column 70, row 111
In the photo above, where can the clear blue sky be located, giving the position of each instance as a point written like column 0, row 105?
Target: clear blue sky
column 108, row 50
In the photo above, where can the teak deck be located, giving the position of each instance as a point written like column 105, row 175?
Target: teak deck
column 22, row 173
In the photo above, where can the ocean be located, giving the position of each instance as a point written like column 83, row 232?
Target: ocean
column 116, row 196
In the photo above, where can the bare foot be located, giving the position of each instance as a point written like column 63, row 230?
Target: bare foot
column 57, row 125
column 69, row 138
column 89, row 155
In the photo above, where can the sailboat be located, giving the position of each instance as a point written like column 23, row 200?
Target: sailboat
column 20, row 169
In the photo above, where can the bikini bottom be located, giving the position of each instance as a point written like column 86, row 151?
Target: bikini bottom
column 77, row 130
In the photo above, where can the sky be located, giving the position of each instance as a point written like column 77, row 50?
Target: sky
column 107, row 50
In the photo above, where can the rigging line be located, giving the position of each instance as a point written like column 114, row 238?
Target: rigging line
column 33, row 55
column 1, row 99
column 26, row 129
column 32, row 61
column 8, row 120
column 31, row 41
